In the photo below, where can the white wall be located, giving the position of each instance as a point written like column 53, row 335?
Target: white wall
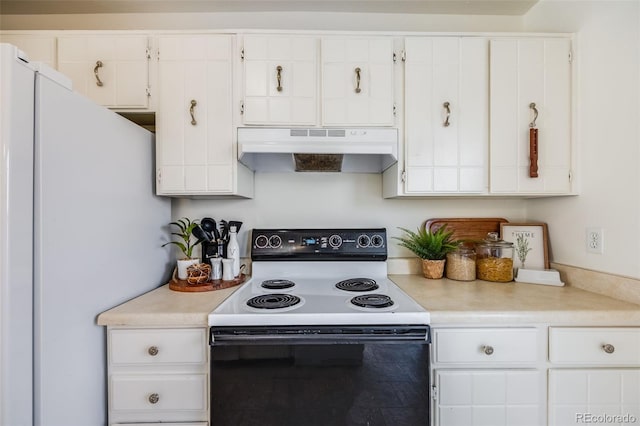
column 337, row 200
column 608, row 134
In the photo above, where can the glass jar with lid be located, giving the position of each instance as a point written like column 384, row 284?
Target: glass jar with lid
column 494, row 259
column 461, row 263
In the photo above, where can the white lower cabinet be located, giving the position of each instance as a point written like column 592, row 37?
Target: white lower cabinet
column 596, row 395
column 158, row 375
column 595, row 375
column 487, row 376
column 488, row 397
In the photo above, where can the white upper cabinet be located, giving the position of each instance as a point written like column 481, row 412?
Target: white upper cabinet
column 195, row 137
column 112, row 70
column 446, row 115
column 524, row 72
column 280, row 80
column 357, row 81
column 38, row 47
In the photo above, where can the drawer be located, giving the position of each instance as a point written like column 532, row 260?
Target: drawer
column 158, row 346
column 486, row 345
column 594, row 345
column 158, row 392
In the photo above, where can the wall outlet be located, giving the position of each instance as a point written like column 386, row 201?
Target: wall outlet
column 595, row 240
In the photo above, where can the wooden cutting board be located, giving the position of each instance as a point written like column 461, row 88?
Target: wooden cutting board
column 470, row 229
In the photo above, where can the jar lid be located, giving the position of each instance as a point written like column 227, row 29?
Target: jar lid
column 493, row 240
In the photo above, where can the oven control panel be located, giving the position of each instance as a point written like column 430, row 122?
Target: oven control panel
column 319, row 244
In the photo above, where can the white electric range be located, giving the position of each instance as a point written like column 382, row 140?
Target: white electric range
column 332, row 278
column 319, row 335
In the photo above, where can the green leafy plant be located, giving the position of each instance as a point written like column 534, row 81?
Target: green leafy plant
column 186, row 226
column 428, row 245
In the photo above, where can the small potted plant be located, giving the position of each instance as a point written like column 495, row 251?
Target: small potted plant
column 186, row 244
column 431, row 247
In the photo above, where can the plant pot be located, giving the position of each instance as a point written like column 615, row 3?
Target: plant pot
column 433, row 269
column 183, row 264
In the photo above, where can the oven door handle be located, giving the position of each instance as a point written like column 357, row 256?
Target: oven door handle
column 317, row 335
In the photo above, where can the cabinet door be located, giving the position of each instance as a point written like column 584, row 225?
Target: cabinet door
column 111, row 70
column 578, row 396
column 357, row 81
column 446, row 115
column 524, row 72
column 39, row 48
column 194, row 133
column 280, row 81
column 488, row 397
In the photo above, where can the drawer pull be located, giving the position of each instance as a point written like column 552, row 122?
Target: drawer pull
column 608, row 348
column 153, row 350
column 488, row 350
column 154, row 398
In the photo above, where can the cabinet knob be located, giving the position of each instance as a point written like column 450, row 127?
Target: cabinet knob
column 488, row 350
column 154, row 398
column 608, row 348
column 153, row 350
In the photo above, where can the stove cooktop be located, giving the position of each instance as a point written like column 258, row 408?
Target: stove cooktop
column 317, row 301
column 319, row 277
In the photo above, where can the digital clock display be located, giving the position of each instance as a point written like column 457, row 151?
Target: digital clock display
column 309, row 241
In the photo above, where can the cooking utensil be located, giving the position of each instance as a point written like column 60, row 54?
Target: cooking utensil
column 201, row 235
column 235, row 223
column 210, row 226
column 224, row 232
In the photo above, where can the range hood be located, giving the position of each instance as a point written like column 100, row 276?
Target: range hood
column 317, row 149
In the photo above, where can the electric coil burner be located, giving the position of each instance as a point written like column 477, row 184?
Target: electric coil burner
column 319, row 332
column 277, row 284
column 374, row 301
column 273, row 301
column 357, row 284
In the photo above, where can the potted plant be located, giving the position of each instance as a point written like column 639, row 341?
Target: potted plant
column 186, row 244
column 431, row 247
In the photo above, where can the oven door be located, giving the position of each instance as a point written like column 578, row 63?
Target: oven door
column 320, row 376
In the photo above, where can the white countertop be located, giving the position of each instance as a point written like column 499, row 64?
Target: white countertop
column 449, row 302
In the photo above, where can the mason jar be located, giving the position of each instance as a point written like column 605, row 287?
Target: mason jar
column 461, row 264
column 494, row 259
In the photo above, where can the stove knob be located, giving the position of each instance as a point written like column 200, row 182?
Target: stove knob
column 364, row 240
column 335, row 241
column 275, row 241
column 261, row 241
column 377, row 241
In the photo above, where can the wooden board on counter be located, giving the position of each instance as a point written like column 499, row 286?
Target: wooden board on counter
column 182, row 285
column 469, row 229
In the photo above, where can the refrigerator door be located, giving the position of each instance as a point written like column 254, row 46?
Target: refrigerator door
column 98, row 231
column 16, row 222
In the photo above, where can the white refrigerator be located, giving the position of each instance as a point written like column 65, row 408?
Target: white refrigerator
column 80, row 232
